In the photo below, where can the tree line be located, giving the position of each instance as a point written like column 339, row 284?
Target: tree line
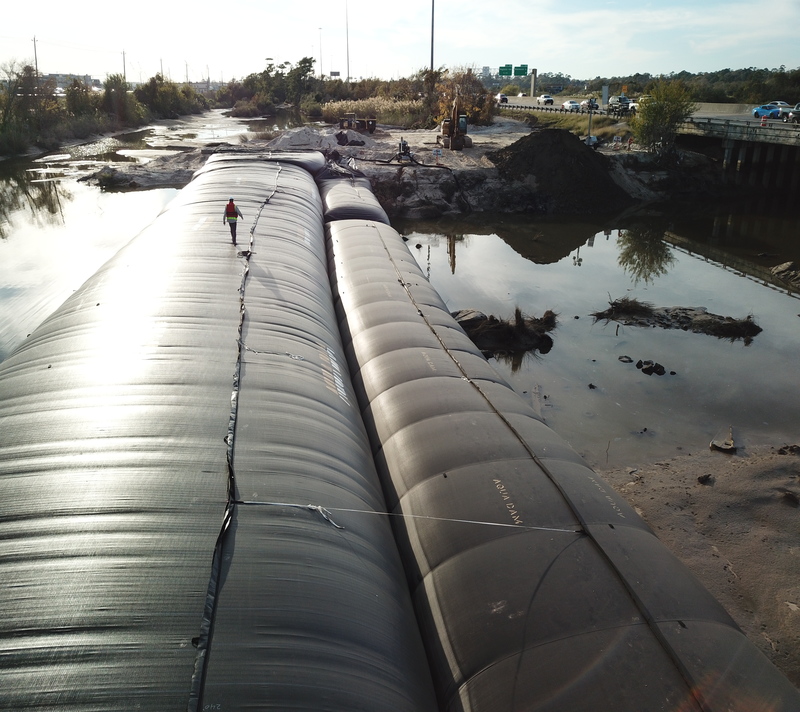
column 32, row 113
column 725, row 86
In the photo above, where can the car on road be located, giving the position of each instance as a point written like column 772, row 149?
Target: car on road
column 571, row 105
column 785, row 112
column 793, row 117
column 545, row 99
column 618, row 104
column 636, row 104
column 769, row 110
column 589, row 105
column 778, row 103
column 501, row 99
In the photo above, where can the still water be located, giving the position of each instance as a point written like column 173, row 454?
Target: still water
column 55, row 232
column 717, row 258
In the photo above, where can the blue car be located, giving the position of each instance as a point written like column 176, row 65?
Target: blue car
column 769, row 110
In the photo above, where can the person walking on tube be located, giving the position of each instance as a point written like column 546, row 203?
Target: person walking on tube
column 231, row 216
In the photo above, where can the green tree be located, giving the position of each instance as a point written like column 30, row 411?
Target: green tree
column 473, row 97
column 299, row 80
column 655, row 125
column 166, row 100
column 117, row 102
column 9, row 94
column 79, row 99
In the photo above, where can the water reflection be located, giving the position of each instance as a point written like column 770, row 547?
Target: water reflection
column 32, row 195
column 643, row 253
column 543, row 241
column 612, row 412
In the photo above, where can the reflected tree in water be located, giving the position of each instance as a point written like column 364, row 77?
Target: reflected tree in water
column 30, row 196
column 643, row 253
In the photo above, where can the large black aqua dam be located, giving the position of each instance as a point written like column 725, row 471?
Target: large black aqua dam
column 279, row 476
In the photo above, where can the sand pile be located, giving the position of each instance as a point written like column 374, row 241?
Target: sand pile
column 322, row 139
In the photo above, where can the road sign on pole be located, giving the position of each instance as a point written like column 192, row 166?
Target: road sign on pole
column 521, row 71
column 505, row 70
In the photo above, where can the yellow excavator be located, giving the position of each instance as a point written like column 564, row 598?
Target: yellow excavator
column 454, row 129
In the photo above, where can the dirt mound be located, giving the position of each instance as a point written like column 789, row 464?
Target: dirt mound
column 327, row 138
column 565, row 174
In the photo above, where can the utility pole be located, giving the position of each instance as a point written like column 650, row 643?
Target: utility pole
column 320, row 53
column 36, row 65
column 433, row 5
column 124, row 74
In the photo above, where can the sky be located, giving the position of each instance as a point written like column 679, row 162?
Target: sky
column 580, row 38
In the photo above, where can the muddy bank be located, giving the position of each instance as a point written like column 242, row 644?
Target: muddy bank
column 509, row 168
column 632, row 312
column 172, row 171
column 734, row 520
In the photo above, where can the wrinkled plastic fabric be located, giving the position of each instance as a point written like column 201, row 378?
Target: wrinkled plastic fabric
column 537, row 587
column 311, row 161
column 350, row 198
column 191, row 517
column 168, row 436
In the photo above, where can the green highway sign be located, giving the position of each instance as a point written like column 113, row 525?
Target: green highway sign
column 521, row 71
column 505, row 70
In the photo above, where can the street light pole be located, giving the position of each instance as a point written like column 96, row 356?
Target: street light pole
column 320, row 53
column 347, row 39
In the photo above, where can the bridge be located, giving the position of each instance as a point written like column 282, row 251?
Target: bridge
column 770, row 131
column 763, row 155
column 280, row 476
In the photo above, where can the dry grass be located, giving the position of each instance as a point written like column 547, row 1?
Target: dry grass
column 624, row 308
column 727, row 327
column 632, row 311
column 407, row 113
column 606, row 127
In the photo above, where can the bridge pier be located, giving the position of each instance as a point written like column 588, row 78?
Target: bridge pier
column 740, row 162
column 794, row 182
column 783, row 161
column 755, row 163
column 761, row 158
column 727, row 154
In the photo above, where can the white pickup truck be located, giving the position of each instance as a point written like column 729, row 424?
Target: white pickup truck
column 636, row 104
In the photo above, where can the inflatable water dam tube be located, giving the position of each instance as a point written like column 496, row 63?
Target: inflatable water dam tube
column 535, row 584
column 279, row 476
column 164, row 433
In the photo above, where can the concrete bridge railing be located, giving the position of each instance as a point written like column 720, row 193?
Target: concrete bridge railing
column 737, row 129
